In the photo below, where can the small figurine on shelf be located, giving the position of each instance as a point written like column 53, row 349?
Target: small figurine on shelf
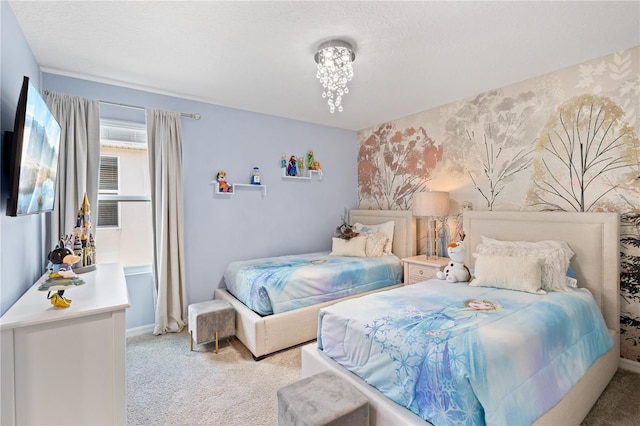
column 283, row 161
column 301, row 165
column 291, row 168
column 223, row 186
column 255, row 176
column 310, row 160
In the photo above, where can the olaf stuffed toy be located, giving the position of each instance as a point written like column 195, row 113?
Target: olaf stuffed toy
column 455, row 270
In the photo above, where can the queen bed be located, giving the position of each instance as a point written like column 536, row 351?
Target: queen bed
column 266, row 333
column 594, row 239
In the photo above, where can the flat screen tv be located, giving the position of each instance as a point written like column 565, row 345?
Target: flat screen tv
column 33, row 162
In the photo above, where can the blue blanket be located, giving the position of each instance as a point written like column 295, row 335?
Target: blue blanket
column 280, row 284
column 460, row 355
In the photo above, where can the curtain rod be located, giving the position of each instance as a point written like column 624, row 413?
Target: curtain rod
column 195, row 116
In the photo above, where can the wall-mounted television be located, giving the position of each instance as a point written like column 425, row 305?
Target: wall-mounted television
column 33, row 161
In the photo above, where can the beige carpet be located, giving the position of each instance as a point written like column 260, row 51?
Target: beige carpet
column 168, row 385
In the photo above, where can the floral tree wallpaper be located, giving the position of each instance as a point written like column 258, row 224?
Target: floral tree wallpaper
column 565, row 141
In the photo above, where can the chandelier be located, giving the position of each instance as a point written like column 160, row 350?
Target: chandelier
column 335, row 70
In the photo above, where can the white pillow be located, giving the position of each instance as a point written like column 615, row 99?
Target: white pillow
column 512, row 273
column 530, row 244
column 353, row 247
column 375, row 243
column 555, row 262
column 386, row 228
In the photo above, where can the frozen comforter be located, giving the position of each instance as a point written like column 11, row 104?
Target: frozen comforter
column 280, row 284
column 460, row 355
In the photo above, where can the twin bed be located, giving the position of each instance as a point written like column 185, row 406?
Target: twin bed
column 450, row 375
column 431, row 346
column 265, row 332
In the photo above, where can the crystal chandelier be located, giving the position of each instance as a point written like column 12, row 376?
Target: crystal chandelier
column 335, row 70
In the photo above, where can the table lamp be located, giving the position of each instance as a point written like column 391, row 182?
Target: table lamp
column 431, row 204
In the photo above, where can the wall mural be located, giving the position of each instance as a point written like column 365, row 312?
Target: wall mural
column 565, row 141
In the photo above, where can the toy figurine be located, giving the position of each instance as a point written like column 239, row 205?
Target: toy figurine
column 291, row 168
column 310, row 160
column 301, row 164
column 60, row 276
column 283, row 161
column 223, row 186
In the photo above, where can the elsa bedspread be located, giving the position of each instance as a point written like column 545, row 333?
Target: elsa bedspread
column 460, row 355
column 280, row 284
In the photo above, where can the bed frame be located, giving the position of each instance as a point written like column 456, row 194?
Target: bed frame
column 594, row 237
column 264, row 335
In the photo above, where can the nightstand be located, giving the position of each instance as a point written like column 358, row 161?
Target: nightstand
column 419, row 268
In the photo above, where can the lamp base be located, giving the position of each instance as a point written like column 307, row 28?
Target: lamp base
column 431, row 247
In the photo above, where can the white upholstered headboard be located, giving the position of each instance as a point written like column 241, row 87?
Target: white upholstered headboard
column 594, row 237
column 404, row 233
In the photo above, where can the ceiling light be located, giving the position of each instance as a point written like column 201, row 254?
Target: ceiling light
column 335, row 70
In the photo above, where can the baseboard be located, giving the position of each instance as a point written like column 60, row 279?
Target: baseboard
column 137, row 331
column 627, row 364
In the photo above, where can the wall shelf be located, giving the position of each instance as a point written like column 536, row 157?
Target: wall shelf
column 235, row 186
column 307, row 174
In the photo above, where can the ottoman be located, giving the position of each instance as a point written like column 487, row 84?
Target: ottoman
column 211, row 320
column 322, row 399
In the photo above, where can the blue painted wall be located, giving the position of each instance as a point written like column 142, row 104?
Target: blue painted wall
column 22, row 252
column 293, row 217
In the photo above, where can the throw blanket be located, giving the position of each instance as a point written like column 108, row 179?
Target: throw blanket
column 460, row 355
column 284, row 283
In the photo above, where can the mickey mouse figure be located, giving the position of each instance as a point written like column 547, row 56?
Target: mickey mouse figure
column 61, row 259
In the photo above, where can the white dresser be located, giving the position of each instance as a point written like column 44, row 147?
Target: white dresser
column 67, row 366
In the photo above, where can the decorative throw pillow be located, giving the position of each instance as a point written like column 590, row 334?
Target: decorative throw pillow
column 555, row 262
column 354, row 247
column 522, row 273
column 375, row 244
column 530, row 244
column 386, row 228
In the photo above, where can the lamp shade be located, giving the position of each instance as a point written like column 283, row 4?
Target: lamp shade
column 431, row 203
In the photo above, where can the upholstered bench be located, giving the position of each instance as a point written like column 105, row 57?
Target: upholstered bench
column 211, row 320
column 322, row 399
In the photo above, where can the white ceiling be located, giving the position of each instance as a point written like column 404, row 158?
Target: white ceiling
column 258, row 56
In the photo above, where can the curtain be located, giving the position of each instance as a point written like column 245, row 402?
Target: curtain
column 164, row 134
column 79, row 119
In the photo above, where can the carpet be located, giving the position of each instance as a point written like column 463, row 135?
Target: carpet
column 169, row 385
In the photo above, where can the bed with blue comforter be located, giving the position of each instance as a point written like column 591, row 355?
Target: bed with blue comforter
column 280, row 284
column 460, row 355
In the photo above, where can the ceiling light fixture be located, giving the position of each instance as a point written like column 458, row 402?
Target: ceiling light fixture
column 335, row 70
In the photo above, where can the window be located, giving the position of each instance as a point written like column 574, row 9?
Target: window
column 108, row 214
column 123, row 232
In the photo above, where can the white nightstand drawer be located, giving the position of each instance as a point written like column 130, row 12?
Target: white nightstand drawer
column 420, row 273
column 419, row 268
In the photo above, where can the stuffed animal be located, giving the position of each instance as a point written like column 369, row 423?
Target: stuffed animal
column 455, row 270
column 222, row 183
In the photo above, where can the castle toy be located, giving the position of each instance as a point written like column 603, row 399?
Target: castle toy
column 83, row 242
